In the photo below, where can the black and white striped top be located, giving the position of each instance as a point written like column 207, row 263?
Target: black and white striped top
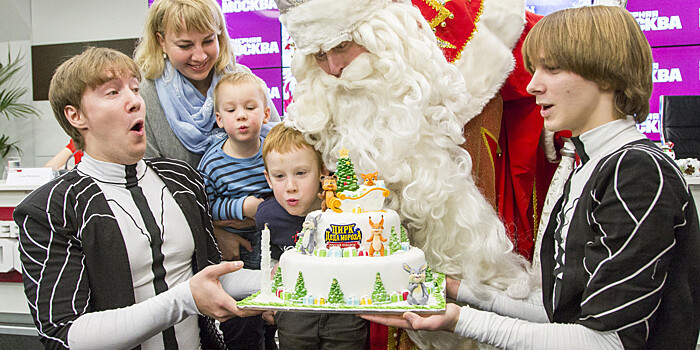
column 623, row 253
column 107, row 236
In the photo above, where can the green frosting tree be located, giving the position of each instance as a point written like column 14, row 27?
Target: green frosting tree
column 394, row 244
column 379, row 292
column 404, row 236
column 345, row 171
column 429, row 274
column 299, row 288
column 335, row 295
column 277, row 280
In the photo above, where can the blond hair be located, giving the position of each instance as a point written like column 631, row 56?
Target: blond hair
column 181, row 16
column 283, row 139
column 237, row 78
column 88, row 70
column 603, row 44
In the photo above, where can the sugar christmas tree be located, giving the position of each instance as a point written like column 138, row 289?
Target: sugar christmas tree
column 404, row 236
column 345, row 171
column 379, row 292
column 428, row 275
column 277, row 280
column 394, row 244
column 299, row 288
column 335, row 295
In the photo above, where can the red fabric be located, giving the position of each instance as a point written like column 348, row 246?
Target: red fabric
column 378, row 336
column 454, row 23
column 523, row 173
column 515, row 86
column 77, row 155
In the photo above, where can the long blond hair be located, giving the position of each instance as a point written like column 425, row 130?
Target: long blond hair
column 181, row 16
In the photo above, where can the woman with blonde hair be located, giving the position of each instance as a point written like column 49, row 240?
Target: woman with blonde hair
column 184, row 50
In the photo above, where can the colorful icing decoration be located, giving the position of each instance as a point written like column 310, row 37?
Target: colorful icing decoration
column 418, row 293
column 358, row 226
column 394, row 244
column 335, row 295
column 335, row 252
column 343, row 236
column 379, row 292
column 349, row 252
column 321, row 252
column 308, row 235
column 277, row 280
column 396, row 297
column 369, row 178
column 376, row 237
column 345, row 170
column 300, row 287
column 328, row 197
column 308, row 300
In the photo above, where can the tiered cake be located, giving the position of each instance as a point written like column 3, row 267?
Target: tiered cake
column 353, row 256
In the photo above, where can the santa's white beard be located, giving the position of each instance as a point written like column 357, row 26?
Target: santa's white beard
column 414, row 145
column 403, row 117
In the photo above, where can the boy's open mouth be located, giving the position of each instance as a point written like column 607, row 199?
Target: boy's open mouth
column 138, row 127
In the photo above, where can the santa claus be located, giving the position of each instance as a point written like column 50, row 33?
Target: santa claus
column 371, row 79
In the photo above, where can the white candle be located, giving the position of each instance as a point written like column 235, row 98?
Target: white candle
column 265, row 282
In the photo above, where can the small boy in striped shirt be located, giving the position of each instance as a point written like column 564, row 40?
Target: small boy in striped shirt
column 232, row 169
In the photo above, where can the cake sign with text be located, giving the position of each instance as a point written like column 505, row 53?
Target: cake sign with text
column 343, row 236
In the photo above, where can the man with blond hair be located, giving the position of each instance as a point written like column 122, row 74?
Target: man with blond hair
column 119, row 252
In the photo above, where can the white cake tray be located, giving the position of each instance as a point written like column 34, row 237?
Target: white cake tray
column 435, row 305
column 253, row 303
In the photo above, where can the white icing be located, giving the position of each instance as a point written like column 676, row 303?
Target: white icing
column 351, row 228
column 265, row 262
column 373, row 200
column 356, row 275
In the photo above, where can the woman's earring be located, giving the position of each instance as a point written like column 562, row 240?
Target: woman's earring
column 165, row 56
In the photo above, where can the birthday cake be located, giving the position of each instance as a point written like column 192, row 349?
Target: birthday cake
column 351, row 256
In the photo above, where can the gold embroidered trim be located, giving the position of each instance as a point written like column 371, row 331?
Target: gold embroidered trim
column 536, row 222
column 442, row 11
column 393, row 338
column 445, row 44
column 484, row 133
column 476, row 29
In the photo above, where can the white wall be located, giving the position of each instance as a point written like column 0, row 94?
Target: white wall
column 24, row 23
